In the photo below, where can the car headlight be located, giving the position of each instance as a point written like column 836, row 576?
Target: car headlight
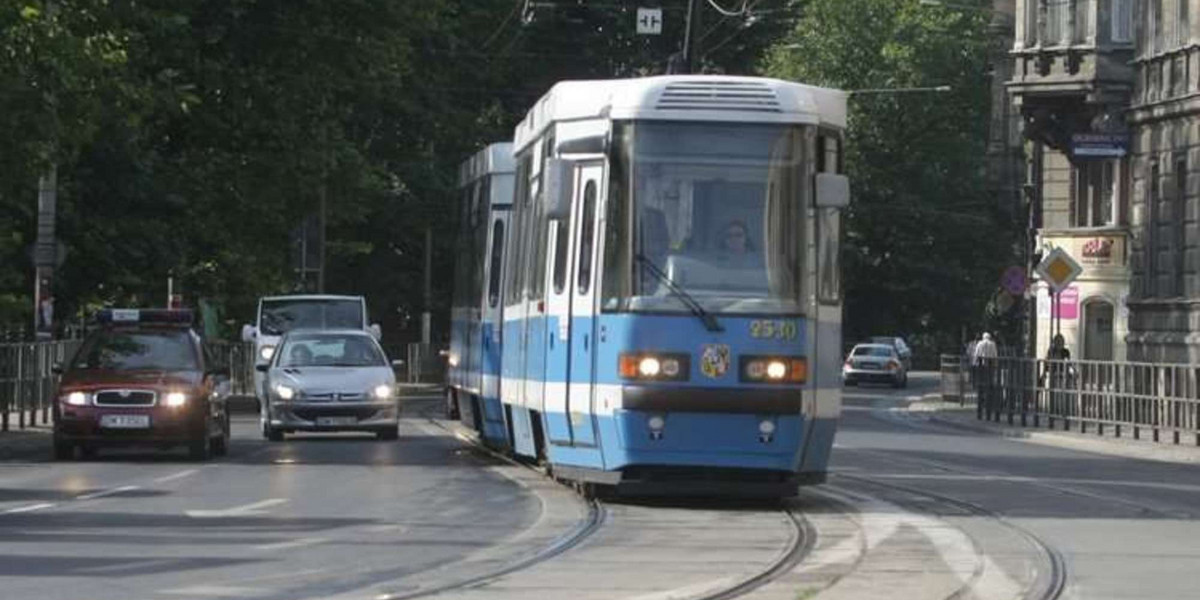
column 76, row 399
column 382, row 392
column 285, row 392
column 176, row 399
column 266, row 352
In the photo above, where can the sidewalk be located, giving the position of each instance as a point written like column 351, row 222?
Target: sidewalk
column 933, row 408
column 31, row 442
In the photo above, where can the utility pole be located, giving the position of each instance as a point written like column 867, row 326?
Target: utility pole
column 426, row 317
column 693, row 23
column 45, row 255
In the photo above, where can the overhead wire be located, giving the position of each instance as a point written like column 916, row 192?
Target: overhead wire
column 504, row 24
column 726, row 11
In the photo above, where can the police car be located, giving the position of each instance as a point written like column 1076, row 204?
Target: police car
column 142, row 378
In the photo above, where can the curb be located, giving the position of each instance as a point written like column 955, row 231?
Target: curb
column 1073, row 440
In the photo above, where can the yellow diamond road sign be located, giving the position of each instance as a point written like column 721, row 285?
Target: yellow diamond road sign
column 1058, row 269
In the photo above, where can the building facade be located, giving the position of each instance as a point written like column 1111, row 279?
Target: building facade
column 1074, row 81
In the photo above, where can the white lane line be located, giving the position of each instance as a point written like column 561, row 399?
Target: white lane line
column 28, row 508
column 298, row 543
column 103, row 493
column 216, row 591
column 237, row 511
column 137, row 565
column 174, row 476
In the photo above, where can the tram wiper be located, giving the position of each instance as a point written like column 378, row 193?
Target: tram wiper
column 710, row 322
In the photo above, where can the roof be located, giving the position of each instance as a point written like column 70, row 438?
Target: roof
column 685, row 98
column 312, row 297
column 495, row 158
column 318, row 331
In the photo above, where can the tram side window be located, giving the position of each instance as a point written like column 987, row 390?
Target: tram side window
column 561, row 246
column 516, row 255
column 496, row 261
column 586, row 236
column 829, row 222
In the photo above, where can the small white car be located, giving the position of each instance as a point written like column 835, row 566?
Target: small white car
column 329, row 380
column 874, row 362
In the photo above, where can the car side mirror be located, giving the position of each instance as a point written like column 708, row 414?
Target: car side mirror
column 559, row 185
column 57, row 368
column 832, row 191
column 262, row 367
column 376, row 331
column 249, row 332
column 396, row 364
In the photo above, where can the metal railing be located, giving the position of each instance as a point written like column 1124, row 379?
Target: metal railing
column 239, row 357
column 424, row 363
column 1099, row 395
column 28, row 381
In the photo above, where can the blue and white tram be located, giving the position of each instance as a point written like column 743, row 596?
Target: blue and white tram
column 671, row 295
column 473, row 364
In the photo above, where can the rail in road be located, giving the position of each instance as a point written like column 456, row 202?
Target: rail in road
column 794, row 538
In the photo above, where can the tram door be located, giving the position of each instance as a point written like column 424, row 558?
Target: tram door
column 586, row 210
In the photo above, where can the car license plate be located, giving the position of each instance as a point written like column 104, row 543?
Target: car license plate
column 869, row 366
column 125, row 421
column 334, row 421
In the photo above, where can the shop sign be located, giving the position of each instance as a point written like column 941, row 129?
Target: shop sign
column 1100, row 145
column 1098, row 251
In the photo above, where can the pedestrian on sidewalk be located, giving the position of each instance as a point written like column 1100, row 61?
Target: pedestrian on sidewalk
column 983, row 363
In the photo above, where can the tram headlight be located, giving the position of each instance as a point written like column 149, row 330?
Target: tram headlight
column 774, row 369
column 652, row 366
column 649, row 367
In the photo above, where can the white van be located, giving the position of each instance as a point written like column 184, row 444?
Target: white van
column 278, row 315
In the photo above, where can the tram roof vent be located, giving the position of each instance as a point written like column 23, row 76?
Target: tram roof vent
column 719, row 95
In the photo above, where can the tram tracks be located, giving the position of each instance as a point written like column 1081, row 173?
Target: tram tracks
column 801, row 538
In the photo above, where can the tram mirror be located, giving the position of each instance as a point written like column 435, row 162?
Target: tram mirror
column 557, row 188
column 832, row 191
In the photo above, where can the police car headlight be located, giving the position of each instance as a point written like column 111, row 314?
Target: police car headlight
column 266, row 352
column 285, row 392
column 176, row 399
column 76, row 399
column 382, row 392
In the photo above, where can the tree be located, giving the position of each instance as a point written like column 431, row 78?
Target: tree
column 925, row 245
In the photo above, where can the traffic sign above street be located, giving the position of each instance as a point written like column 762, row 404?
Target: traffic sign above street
column 649, row 21
column 1058, row 269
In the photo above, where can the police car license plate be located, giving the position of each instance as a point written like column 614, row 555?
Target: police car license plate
column 125, row 421
column 334, row 421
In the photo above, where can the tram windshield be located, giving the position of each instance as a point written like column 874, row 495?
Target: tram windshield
column 717, row 207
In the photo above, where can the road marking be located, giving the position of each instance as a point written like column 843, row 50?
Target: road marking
column 174, row 476
column 28, row 508
column 103, row 493
column 128, row 566
column 216, row 591
column 690, row 591
column 237, row 511
column 291, row 544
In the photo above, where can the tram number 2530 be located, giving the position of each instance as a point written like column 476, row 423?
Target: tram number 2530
column 779, row 330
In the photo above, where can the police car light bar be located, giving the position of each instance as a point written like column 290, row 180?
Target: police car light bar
column 144, row 315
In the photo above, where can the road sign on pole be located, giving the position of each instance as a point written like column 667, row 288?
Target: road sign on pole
column 1058, row 270
column 649, row 21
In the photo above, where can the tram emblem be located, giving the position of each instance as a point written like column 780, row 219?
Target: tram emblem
column 714, row 360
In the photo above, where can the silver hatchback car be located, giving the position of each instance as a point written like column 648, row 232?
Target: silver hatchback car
column 875, row 362
column 329, row 380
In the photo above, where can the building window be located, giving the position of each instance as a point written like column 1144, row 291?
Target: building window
column 1031, row 22
column 1179, row 224
column 1057, row 26
column 1149, row 246
column 1183, row 29
column 1096, row 191
column 1154, row 26
column 1121, row 17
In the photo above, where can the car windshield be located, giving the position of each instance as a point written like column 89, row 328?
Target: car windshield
column 138, row 351
column 872, row 351
column 281, row 316
column 331, row 350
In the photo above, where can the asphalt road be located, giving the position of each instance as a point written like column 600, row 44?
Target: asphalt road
column 311, row 517
column 1123, row 528
column 913, row 509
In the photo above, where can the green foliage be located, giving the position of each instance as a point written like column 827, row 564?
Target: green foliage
column 925, row 243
